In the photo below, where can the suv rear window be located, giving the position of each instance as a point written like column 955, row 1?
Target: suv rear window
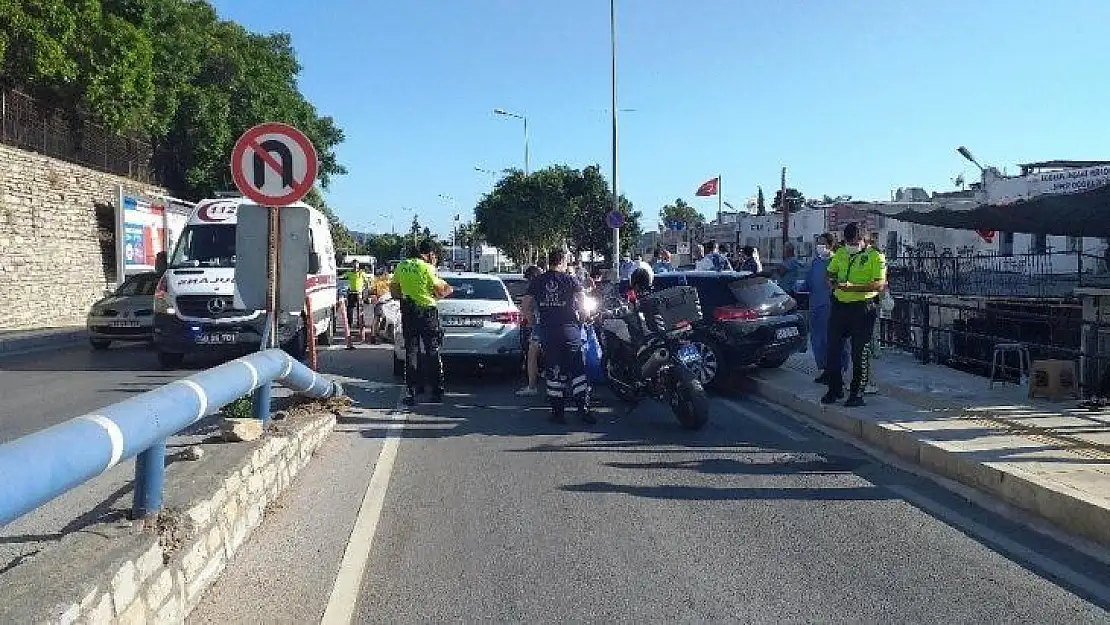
column 517, row 288
column 750, row 292
column 477, row 288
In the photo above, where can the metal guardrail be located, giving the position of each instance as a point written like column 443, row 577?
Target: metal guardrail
column 48, row 463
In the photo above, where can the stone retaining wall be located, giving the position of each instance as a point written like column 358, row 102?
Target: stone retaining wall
column 52, row 258
column 115, row 575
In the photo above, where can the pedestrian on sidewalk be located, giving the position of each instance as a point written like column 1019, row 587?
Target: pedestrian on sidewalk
column 857, row 276
column 530, row 336
column 419, row 287
column 820, row 296
column 557, row 298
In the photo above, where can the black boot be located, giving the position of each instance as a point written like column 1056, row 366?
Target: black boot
column 832, row 397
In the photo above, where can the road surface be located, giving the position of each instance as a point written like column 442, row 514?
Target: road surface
column 490, row 514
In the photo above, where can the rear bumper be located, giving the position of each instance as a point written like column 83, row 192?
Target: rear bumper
column 504, row 346
column 741, row 354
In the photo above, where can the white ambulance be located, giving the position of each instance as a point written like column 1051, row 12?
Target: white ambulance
column 194, row 304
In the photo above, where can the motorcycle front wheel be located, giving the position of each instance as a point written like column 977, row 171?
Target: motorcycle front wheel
column 689, row 400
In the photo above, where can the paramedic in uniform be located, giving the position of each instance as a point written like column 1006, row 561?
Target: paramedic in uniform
column 857, row 275
column 557, row 299
column 417, row 286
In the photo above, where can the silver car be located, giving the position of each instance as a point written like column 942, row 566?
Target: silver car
column 125, row 314
column 480, row 322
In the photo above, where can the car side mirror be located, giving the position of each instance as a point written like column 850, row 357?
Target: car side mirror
column 313, row 263
column 160, row 263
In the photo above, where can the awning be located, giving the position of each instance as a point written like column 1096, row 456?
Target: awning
column 1085, row 214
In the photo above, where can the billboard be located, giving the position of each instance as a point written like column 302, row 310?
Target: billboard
column 145, row 226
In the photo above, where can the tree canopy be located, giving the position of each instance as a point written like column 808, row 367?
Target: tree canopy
column 681, row 211
column 794, row 199
column 166, row 71
column 525, row 214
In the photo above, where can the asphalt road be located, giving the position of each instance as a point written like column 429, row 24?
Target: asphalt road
column 41, row 389
column 491, row 514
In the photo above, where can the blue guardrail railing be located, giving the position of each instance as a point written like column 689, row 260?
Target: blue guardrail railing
column 39, row 467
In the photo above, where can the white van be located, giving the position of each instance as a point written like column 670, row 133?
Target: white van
column 194, row 308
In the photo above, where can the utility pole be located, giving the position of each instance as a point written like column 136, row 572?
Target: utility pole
column 613, row 109
column 785, row 216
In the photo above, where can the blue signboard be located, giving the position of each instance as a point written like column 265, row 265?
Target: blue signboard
column 614, row 219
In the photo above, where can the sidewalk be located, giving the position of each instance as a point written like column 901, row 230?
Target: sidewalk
column 1049, row 458
column 20, row 341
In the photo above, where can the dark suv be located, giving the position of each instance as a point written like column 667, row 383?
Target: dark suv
column 748, row 320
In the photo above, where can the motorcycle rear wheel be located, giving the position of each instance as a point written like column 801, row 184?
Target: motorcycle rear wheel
column 689, row 400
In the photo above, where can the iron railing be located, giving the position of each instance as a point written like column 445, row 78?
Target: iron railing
column 52, row 461
column 1052, row 274
column 962, row 333
column 28, row 124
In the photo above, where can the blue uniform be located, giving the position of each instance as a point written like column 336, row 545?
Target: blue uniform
column 557, row 296
column 820, row 302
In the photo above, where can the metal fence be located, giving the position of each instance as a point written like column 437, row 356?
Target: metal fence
column 27, row 124
column 1053, row 274
column 962, row 333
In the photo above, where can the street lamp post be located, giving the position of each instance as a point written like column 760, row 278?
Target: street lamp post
column 455, row 230
column 613, row 110
column 525, row 120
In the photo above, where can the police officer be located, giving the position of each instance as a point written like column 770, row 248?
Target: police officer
column 418, row 287
column 356, row 285
column 857, row 275
column 557, row 298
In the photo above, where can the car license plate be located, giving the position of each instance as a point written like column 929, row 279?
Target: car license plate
column 462, row 322
column 786, row 333
column 217, row 338
column 124, row 324
column 688, row 354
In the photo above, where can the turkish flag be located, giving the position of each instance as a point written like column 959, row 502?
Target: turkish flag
column 709, row 187
column 987, row 235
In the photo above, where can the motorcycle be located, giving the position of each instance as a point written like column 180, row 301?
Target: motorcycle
column 656, row 365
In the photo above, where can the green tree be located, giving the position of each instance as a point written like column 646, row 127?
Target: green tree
column 794, row 198
column 760, row 203
column 681, row 211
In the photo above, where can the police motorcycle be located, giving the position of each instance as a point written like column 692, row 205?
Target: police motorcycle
column 646, row 352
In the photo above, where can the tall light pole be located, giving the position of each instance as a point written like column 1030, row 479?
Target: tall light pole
column 525, row 120
column 414, row 233
column 613, row 109
column 455, row 229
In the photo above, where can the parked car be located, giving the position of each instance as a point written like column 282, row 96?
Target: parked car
column 125, row 314
column 481, row 324
column 748, row 321
column 516, row 284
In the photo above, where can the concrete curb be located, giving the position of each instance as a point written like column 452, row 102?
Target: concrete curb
column 1063, row 506
column 117, row 573
column 33, row 342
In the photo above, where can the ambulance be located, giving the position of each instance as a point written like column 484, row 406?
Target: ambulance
column 194, row 303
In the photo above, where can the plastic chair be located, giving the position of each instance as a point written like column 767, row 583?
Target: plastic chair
column 998, row 359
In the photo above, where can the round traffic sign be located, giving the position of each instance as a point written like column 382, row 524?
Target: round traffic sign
column 614, row 219
column 274, row 164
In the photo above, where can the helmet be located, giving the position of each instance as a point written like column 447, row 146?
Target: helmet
column 642, row 278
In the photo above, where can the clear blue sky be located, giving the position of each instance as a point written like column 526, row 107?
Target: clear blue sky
column 853, row 96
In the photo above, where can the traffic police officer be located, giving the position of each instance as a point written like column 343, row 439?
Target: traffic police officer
column 416, row 284
column 857, row 275
column 557, row 298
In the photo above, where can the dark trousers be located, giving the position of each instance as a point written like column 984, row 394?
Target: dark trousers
column 423, row 337
column 352, row 309
column 565, row 367
column 854, row 322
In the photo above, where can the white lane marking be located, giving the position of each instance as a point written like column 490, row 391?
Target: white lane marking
column 764, row 421
column 348, row 581
column 253, row 372
column 200, row 395
column 115, row 437
column 1010, row 546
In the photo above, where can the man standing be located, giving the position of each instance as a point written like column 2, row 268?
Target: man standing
column 662, row 261
column 713, row 259
column 857, row 275
column 356, row 286
column 415, row 281
column 557, row 298
column 820, row 296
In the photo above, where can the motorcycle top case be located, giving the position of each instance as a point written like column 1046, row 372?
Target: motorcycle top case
column 672, row 308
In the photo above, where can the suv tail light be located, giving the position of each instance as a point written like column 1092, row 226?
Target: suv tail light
column 512, row 317
column 734, row 313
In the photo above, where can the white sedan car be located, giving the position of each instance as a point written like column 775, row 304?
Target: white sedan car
column 480, row 323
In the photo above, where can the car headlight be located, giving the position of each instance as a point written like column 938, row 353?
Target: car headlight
column 589, row 305
column 96, row 311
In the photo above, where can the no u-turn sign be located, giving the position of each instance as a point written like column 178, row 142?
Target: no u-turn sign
column 274, row 164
